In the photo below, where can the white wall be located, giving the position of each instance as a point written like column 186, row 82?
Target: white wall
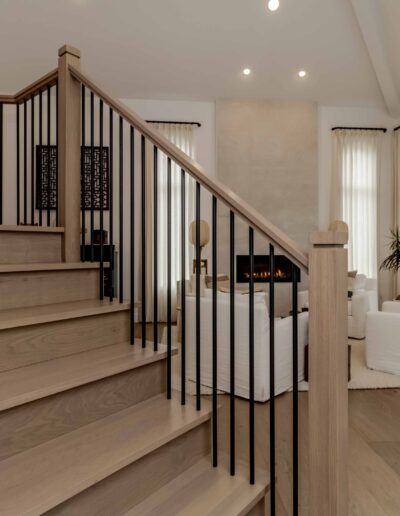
column 330, row 117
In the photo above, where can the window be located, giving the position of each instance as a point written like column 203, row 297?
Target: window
column 355, row 194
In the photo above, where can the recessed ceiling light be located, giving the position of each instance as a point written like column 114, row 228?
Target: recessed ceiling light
column 273, row 5
column 246, row 71
column 302, row 73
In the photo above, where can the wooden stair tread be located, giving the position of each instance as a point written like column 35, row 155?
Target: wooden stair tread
column 27, row 316
column 29, row 383
column 60, row 266
column 38, row 479
column 203, row 490
column 31, row 229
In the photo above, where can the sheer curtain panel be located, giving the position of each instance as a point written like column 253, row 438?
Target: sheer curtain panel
column 355, row 188
column 182, row 136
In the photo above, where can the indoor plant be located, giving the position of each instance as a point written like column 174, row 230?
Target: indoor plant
column 392, row 262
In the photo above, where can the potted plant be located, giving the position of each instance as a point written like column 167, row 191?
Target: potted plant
column 392, row 262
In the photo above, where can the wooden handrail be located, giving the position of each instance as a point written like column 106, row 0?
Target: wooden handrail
column 47, row 80
column 233, row 201
column 7, row 99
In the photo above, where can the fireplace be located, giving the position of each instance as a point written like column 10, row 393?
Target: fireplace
column 283, row 269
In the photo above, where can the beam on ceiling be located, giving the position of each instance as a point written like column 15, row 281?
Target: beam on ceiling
column 370, row 19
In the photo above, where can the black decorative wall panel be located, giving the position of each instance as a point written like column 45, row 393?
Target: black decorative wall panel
column 46, row 180
column 46, row 163
column 86, row 179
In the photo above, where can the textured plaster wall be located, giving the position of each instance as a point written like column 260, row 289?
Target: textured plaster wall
column 267, row 153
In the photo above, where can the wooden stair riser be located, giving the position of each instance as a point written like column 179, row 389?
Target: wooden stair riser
column 128, row 487
column 18, row 247
column 20, row 289
column 32, row 344
column 29, row 425
column 261, row 508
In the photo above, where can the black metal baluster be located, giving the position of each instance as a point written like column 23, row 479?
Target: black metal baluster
column 39, row 168
column 92, row 172
column 183, row 287
column 214, row 336
column 48, row 153
column 143, row 240
column 18, row 170
column 232, row 344
column 83, row 191
column 111, row 194
column 295, row 276
column 1, row 163
column 132, row 226
column 169, row 304
column 57, row 210
column 32, row 160
column 121, row 210
column 251, row 356
column 155, row 246
column 272, row 375
column 25, row 168
column 198, row 270
column 101, row 169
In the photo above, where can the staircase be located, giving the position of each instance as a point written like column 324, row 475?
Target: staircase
column 85, row 427
column 89, row 421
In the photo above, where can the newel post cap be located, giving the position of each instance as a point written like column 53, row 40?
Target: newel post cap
column 68, row 49
column 337, row 235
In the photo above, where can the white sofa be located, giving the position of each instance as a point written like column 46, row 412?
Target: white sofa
column 383, row 341
column 283, row 344
column 364, row 299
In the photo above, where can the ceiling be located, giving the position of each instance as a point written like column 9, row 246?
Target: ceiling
column 186, row 49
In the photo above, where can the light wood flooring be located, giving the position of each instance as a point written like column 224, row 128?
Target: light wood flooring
column 374, row 454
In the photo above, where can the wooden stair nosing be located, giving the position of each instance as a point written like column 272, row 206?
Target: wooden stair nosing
column 38, row 479
column 204, row 490
column 41, row 314
column 31, row 229
column 36, row 381
column 39, row 267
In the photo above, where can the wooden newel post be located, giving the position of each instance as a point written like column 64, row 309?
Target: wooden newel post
column 328, row 373
column 69, row 161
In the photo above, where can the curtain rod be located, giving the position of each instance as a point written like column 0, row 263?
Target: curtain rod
column 362, row 128
column 198, row 124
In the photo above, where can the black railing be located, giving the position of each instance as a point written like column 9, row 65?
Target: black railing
column 34, row 153
column 145, row 240
column 232, row 419
column 1, row 162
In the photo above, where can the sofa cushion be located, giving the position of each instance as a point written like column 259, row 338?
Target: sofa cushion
column 360, row 282
column 259, row 297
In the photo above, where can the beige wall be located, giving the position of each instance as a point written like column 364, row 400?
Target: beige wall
column 267, row 152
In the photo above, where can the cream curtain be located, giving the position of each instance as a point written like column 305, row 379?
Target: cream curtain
column 355, row 189
column 396, row 161
column 182, row 136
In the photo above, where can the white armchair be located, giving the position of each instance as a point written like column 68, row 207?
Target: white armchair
column 383, row 345
column 364, row 299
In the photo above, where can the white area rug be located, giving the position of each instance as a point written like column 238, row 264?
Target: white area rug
column 361, row 376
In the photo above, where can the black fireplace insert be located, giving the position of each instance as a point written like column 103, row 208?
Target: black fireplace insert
column 283, row 269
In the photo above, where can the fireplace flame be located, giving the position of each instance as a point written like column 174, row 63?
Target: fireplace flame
column 266, row 274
